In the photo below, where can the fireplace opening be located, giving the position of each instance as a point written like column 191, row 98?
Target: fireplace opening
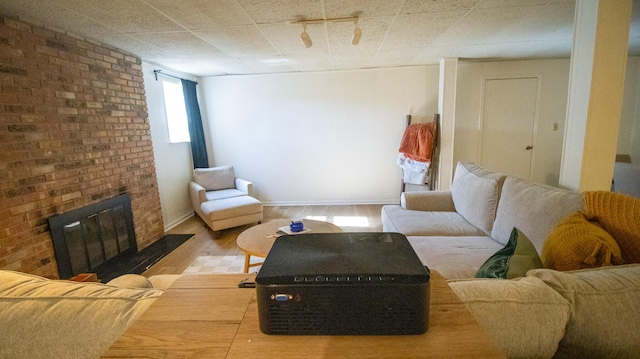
column 100, row 238
column 90, row 238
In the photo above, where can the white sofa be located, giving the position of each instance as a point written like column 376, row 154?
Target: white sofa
column 588, row 313
column 592, row 313
column 44, row 318
column 222, row 200
column 456, row 231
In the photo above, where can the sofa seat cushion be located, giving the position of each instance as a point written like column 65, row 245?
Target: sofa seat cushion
column 420, row 223
column 231, row 207
column 43, row 318
column 535, row 209
column 524, row 317
column 476, row 192
column 605, row 314
column 454, row 257
column 222, row 194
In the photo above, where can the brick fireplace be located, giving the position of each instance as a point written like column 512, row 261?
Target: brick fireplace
column 74, row 130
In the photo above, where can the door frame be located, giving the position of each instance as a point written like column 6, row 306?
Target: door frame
column 536, row 115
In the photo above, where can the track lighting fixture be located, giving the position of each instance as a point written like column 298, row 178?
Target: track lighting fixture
column 306, row 39
column 357, row 33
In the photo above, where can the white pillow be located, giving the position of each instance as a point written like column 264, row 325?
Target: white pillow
column 215, row 178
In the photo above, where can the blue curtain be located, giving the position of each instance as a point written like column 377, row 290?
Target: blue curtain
column 198, row 144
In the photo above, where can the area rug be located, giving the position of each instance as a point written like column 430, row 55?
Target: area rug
column 220, row 264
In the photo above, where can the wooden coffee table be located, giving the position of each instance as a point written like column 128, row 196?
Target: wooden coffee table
column 258, row 240
column 208, row 316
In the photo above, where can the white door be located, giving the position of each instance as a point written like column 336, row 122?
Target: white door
column 508, row 119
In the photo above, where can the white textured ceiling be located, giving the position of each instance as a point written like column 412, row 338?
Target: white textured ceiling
column 217, row 37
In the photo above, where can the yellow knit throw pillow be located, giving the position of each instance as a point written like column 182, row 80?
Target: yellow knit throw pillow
column 619, row 215
column 576, row 243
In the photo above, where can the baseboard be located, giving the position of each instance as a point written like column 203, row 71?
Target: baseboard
column 178, row 221
column 329, row 203
column 277, row 203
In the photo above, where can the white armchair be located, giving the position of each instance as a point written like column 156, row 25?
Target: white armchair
column 222, row 200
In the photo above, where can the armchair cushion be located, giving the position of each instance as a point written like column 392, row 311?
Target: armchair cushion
column 215, row 178
column 222, row 194
column 231, row 208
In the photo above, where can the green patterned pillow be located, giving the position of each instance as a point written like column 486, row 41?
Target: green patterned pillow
column 512, row 261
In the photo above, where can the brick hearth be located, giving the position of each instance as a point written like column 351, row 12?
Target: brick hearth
column 74, row 130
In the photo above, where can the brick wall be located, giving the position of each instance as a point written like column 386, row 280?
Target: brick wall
column 74, row 130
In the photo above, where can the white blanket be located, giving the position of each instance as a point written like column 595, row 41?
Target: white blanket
column 412, row 165
column 413, row 172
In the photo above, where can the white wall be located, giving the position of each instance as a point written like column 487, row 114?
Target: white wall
column 317, row 138
column 343, row 129
column 173, row 160
column 554, row 76
column 629, row 135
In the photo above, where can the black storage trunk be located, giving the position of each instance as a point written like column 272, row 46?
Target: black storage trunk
column 343, row 284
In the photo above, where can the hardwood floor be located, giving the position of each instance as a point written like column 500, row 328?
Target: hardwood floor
column 351, row 218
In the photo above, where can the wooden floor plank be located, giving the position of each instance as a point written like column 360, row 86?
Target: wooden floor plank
column 351, row 218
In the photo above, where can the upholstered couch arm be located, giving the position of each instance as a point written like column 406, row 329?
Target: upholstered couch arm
column 433, row 201
column 44, row 318
column 198, row 195
column 244, row 186
column 524, row 317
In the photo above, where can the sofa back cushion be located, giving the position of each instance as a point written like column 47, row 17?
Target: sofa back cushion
column 524, row 317
column 605, row 311
column 43, row 318
column 476, row 192
column 215, row 178
column 535, row 209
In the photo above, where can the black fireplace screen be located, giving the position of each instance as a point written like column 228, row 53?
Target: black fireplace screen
column 87, row 238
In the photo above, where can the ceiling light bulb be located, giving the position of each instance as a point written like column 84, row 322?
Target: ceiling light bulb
column 357, row 33
column 306, row 40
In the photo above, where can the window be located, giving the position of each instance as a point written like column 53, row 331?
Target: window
column 176, row 112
